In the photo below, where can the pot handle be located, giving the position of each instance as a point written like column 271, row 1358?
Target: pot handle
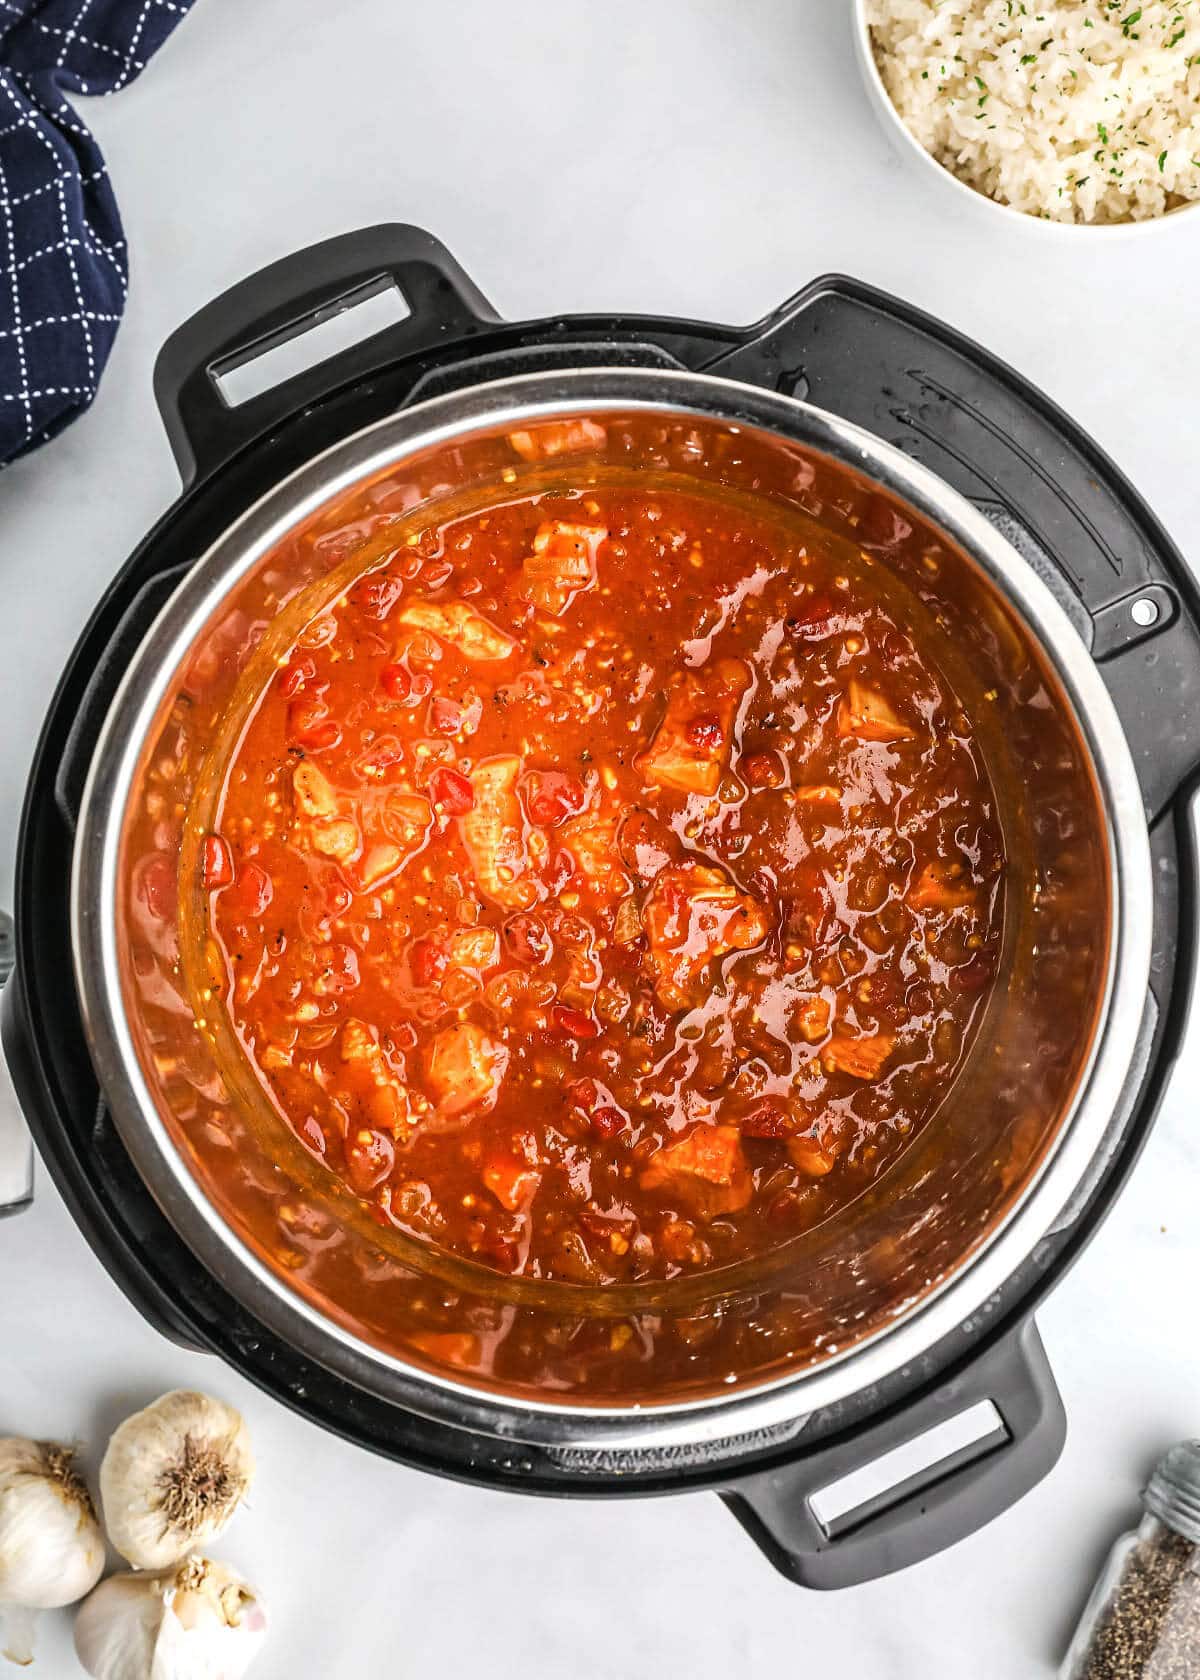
column 16, row 1145
column 288, row 298
column 930, row 1510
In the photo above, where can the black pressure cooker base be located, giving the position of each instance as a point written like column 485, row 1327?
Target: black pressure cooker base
column 845, row 348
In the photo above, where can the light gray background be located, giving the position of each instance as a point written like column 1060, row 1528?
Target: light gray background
column 674, row 156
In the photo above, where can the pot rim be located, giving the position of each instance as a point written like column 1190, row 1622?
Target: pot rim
column 508, row 404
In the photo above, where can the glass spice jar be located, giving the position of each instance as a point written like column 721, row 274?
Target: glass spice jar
column 1142, row 1621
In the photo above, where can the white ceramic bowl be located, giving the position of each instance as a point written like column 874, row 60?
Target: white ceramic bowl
column 911, row 148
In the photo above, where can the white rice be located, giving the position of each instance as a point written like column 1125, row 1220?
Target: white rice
column 1075, row 110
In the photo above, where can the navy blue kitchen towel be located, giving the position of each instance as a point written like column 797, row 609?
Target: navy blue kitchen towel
column 63, row 265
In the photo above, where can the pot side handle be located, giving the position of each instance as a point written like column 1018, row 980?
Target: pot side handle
column 16, row 1145
column 929, row 1511
column 288, row 298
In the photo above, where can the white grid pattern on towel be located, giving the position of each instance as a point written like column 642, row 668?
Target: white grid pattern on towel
column 72, row 236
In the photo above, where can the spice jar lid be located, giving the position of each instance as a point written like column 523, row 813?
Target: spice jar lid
column 1173, row 1491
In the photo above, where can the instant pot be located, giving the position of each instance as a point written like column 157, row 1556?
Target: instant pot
column 872, row 405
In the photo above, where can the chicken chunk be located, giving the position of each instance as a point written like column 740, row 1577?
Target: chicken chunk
column 337, row 838
column 406, row 819
column 691, row 746
column 493, row 833
column 810, row 1156
column 371, row 1077
column 811, row 1018
column 558, row 437
column 940, row 888
column 465, row 1068
column 315, row 795
column 476, row 948
column 692, row 916
column 862, row 1058
column 461, row 627
column 512, row 1182
column 591, row 840
column 377, row 864
column 706, row 1171
column 448, row 1347
column 562, row 562
column 866, row 714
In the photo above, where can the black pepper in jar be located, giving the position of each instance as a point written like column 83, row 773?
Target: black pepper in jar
column 1143, row 1619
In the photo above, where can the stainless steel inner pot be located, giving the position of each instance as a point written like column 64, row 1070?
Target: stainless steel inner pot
column 429, row 452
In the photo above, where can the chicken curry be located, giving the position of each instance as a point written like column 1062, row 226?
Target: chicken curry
column 608, row 884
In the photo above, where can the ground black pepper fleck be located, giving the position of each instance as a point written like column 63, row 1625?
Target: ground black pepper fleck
column 1150, row 1627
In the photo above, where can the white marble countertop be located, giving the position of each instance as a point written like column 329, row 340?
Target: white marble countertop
column 682, row 157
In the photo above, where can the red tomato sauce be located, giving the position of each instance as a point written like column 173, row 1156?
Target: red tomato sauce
column 608, row 886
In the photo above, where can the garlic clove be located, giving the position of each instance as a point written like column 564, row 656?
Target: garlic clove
column 196, row 1621
column 51, row 1547
column 173, row 1476
column 117, row 1627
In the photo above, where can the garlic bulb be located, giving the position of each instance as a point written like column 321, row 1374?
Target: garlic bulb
column 51, row 1547
column 195, row 1621
column 173, row 1476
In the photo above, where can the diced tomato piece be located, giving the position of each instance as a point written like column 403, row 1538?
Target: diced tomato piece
column 436, row 574
column 528, row 938
column 706, row 1170
column 445, row 715
column 376, row 594
column 218, row 863
column 157, row 885
column 452, row 790
column 300, row 672
column 705, row 732
column 762, row 770
column 812, row 615
column 770, row 1118
column 251, row 892
column 337, row 970
column 974, row 975
column 382, row 757
column 575, row 1022
column 428, row 959
column 559, row 870
column 608, row 1122
column 370, row 1157
column 812, row 916
column 551, row 796
column 512, row 1182
column 396, row 681
column 310, row 726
